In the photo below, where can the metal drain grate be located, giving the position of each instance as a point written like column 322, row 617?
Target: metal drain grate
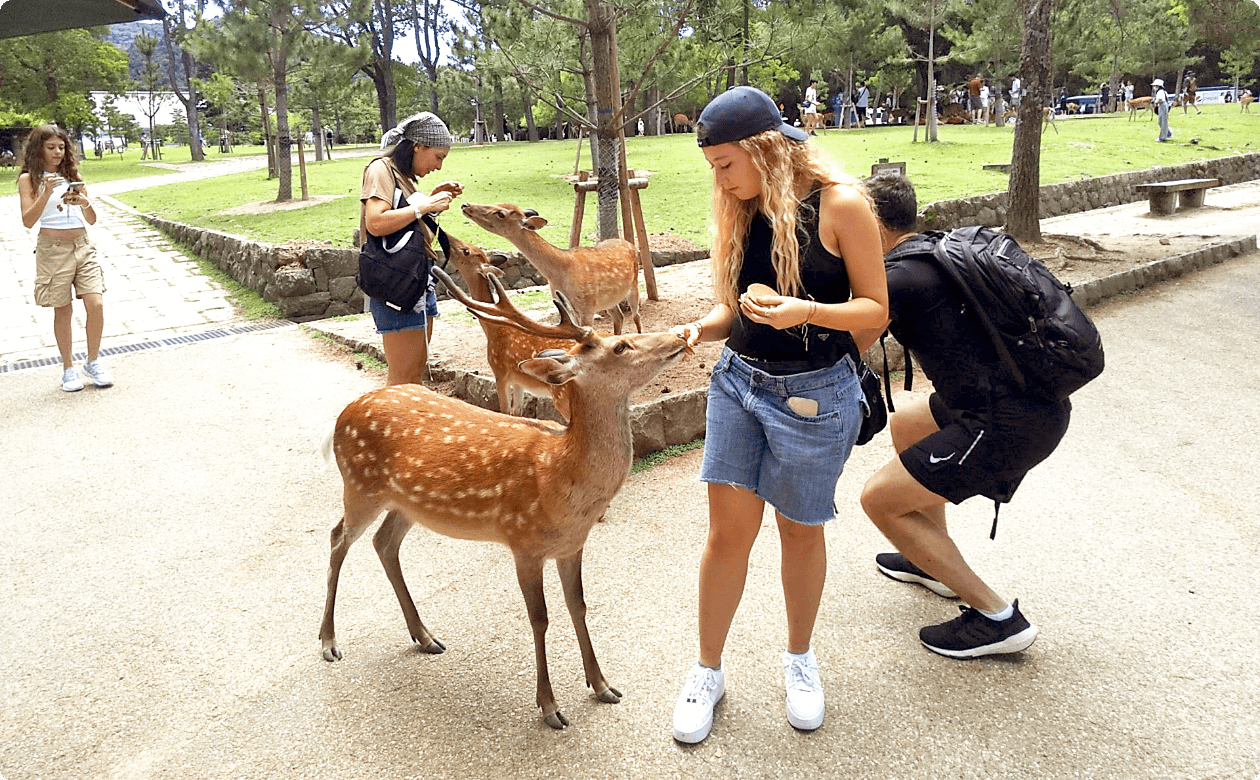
column 190, row 338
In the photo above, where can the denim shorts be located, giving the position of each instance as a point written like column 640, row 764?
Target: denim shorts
column 391, row 320
column 756, row 439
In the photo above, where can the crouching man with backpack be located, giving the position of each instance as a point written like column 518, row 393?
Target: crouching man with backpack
column 978, row 433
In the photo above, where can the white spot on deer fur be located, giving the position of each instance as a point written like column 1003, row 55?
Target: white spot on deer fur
column 389, row 429
column 372, row 427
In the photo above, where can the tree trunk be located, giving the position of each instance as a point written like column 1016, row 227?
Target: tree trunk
column 929, row 135
column 1023, row 207
column 284, row 161
column 531, row 128
column 386, row 100
column 606, row 132
column 272, row 168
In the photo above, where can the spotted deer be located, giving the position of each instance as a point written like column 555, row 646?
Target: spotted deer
column 593, row 278
column 506, row 346
column 465, row 472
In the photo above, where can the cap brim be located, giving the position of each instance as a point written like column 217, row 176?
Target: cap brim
column 794, row 133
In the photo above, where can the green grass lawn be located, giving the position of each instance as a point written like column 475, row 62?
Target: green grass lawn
column 677, row 199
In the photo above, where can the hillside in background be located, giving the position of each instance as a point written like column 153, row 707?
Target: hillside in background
column 123, row 37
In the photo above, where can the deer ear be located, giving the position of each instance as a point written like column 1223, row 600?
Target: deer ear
column 553, row 370
column 535, row 222
column 489, row 270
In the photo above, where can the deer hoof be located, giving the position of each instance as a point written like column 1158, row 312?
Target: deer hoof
column 433, row 646
column 610, row 696
column 331, row 653
column 556, row 720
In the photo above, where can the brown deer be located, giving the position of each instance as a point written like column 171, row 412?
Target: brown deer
column 506, row 346
column 593, row 278
column 1134, row 105
column 683, row 121
column 468, row 473
column 1245, row 100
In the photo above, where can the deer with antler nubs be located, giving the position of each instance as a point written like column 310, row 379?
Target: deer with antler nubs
column 593, row 278
column 469, row 473
column 506, row 346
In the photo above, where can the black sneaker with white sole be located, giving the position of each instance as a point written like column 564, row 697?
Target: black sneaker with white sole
column 896, row 566
column 972, row 635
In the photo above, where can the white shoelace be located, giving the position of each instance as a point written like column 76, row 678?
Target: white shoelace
column 701, row 682
column 802, row 677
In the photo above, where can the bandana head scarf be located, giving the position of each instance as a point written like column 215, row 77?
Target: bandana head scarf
column 423, row 129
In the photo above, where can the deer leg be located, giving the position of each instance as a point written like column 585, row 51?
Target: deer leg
column 529, row 574
column 343, row 535
column 570, row 569
column 634, row 305
column 388, row 539
column 617, row 318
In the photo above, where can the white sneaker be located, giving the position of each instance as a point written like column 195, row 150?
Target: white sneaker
column 98, row 373
column 805, row 707
column 70, row 381
column 693, row 713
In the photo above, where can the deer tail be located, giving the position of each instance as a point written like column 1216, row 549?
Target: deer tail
column 326, row 444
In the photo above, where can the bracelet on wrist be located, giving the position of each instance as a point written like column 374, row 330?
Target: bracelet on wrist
column 418, row 211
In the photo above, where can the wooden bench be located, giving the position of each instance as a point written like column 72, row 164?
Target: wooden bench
column 1168, row 196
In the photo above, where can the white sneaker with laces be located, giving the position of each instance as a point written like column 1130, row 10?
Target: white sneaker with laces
column 70, row 381
column 98, row 373
column 693, row 713
column 805, row 705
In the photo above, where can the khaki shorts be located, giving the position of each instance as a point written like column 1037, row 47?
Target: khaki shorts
column 62, row 264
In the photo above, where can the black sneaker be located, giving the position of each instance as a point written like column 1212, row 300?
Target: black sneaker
column 896, row 566
column 971, row 635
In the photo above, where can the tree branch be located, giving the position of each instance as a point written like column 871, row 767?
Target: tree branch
column 539, row 9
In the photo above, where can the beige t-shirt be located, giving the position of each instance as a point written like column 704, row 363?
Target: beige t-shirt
column 379, row 182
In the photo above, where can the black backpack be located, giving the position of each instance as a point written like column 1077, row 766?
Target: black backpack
column 1048, row 346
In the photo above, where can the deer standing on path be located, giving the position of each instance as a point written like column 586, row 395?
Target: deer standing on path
column 506, row 346
column 593, row 279
column 468, row 473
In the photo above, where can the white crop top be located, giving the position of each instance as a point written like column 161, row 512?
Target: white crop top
column 64, row 218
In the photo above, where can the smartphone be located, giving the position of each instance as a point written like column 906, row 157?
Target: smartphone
column 75, row 186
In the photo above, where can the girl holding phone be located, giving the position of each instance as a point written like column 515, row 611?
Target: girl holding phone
column 54, row 197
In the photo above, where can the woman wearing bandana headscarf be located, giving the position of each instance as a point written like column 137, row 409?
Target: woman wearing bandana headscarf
column 390, row 202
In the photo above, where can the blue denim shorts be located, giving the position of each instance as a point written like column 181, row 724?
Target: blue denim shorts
column 391, row 321
column 756, row 439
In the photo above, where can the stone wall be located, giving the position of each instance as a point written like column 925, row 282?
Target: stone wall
column 311, row 281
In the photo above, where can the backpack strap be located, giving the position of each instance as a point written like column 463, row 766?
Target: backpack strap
column 963, row 239
column 921, row 244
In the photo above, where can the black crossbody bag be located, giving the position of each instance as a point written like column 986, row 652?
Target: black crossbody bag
column 395, row 269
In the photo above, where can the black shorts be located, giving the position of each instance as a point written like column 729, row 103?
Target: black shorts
column 985, row 452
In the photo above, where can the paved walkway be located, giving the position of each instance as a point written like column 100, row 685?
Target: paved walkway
column 154, row 293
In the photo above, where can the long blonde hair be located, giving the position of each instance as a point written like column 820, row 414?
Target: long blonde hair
column 787, row 168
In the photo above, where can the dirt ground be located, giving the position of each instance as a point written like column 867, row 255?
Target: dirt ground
column 685, row 293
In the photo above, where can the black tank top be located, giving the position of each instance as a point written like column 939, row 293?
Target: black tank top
column 825, row 279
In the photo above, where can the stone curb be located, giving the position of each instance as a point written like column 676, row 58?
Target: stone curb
column 679, row 417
